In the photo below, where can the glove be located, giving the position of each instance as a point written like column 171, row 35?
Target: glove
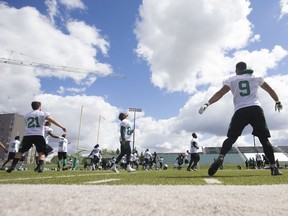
column 203, row 108
column 278, row 106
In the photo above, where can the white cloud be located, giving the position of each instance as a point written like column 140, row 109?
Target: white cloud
column 283, row 8
column 182, row 48
column 88, row 35
column 188, row 51
column 28, row 35
column 31, row 33
column 52, row 9
column 73, row 4
column 191, row 51
column 62, row 90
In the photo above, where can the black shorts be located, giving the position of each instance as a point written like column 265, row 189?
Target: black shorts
column 252, row 115
column 11, row 155
column 62, row 155
column 28, row 141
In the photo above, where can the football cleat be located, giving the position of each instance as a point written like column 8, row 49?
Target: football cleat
column 275, row 171
column 9, row 170
column 215, row 166
column 130, row 169
column 114, row 168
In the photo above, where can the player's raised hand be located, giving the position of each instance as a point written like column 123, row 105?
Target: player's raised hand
column 278, row 106
column 203, row 108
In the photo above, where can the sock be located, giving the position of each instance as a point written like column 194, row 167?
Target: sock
column 14, row 162
column 41, row 162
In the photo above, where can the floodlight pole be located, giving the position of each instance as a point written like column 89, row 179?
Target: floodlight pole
column 134, row 110
column 98, row 130
column 78, row 140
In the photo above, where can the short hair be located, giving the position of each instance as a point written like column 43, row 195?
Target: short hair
column 35, row 105
column 122, row 116
column 194, row 135
column 17, row 137
column 241, row 66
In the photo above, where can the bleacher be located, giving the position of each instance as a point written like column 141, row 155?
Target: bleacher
column 237, row 155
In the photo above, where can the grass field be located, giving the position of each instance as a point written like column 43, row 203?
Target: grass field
column 229, row 176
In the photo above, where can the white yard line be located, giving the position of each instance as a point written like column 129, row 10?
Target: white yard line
column 212, row 181
column 101, row 181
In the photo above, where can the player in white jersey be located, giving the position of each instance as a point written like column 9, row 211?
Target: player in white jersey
column 48, row 132
column 96, row 156
column 62, row 152
column 259, row 161
column 34, row 134
column 147, row 160
column 12, row 150
column 244, row 87
column 194, row 155
column 125, row 138
column 134, row 160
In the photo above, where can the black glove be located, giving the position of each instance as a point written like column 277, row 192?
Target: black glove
column 203, row 108
column 278, row 106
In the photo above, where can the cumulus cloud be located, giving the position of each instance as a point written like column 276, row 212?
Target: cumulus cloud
column 182, row 48
column 193, row 51
column 62, row 90
column 42, row 42
column 283, row 8
column 190, row 52
column 30, row 36
column 73, row 4
column 53, row 8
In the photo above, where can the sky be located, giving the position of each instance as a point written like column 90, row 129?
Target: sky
column 92, row 60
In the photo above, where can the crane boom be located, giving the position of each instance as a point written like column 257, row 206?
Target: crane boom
column 56, row 67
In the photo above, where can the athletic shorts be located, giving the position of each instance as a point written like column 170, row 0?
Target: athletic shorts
column 96, row 159
column 11, row 155
column 252, row 115
column 62, row 155
column 28, row 141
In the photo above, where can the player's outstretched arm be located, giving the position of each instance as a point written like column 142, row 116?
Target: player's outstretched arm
column 217, row 96
column 53, row 121
column 273, row 94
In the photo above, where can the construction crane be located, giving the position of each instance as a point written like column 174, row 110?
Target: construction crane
column 56, row 67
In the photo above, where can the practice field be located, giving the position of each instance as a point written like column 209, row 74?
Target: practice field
column 228, row 176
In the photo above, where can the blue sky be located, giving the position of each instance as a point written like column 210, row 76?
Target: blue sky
column 174, row 56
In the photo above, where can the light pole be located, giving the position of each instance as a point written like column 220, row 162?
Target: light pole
column 134, row 110
column 78, row 141
column 98, row 131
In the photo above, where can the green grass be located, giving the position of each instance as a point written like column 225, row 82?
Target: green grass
column 229, row 176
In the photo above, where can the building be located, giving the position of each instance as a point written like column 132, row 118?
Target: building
column 11, row 125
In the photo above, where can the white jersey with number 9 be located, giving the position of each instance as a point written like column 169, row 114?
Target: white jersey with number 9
column 244, row 89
